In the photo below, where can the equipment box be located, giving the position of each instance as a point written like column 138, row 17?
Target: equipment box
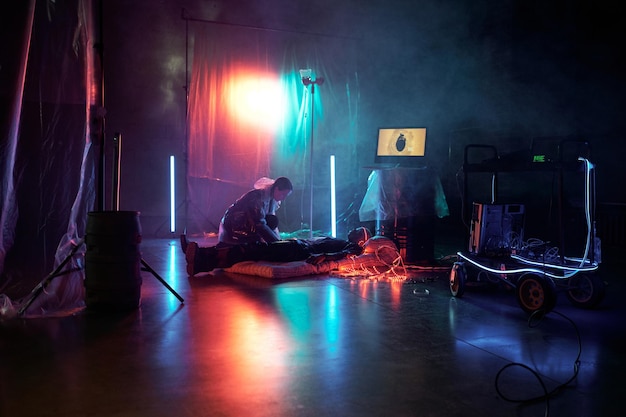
column 496, row 229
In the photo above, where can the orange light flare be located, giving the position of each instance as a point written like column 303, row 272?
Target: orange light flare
column 257, row 99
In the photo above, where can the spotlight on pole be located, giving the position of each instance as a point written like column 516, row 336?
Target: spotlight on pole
column 309, row 79
column 305, row 75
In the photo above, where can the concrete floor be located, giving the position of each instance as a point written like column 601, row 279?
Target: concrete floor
column 315, row 346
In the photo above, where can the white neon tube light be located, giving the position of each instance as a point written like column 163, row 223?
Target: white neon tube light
column 172, row 197
column 333, row 201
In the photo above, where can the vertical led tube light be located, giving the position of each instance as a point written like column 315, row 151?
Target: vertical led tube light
column 333, row 200
column 172, row 197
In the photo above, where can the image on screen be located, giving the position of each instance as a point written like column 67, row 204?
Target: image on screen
column 399, row 142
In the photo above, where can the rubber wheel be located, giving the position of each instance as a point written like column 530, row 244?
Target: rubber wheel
column 535, row 292
column 458, row 278
column 585, row 291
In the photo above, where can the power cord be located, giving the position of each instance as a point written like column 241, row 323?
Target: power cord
column 538, row 316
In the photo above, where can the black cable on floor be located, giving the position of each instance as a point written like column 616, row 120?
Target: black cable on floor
column 539, row 315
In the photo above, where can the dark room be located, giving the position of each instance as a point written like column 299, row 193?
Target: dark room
column 321, row 208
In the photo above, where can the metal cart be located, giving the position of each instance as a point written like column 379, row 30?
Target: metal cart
column 497, row 251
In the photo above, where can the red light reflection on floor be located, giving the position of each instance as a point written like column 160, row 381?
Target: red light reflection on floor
column 243, row 343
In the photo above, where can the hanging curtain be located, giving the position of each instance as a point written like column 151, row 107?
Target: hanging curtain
column 47, row 168
column 249, row 116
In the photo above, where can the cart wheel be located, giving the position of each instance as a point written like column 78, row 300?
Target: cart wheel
column 535, row 292
column 585, row 291
column 458, row 277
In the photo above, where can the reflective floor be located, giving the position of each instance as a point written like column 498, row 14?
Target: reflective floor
column 316, row 346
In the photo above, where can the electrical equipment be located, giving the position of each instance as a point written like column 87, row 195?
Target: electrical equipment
column 496, row 229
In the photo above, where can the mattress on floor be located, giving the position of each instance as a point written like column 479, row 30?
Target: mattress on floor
column 301, row 268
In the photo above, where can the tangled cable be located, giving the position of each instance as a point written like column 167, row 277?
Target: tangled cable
column 539, row 315
column 386, row 263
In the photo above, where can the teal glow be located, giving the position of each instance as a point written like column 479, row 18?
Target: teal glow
column 333, row 201
column 332, row 322
column 173, row 273
column 292, row 150
column 172, row 196
column 296, row 305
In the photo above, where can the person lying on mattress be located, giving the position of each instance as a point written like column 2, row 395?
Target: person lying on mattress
column 314, row 251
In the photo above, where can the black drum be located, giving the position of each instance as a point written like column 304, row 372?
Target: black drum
column 113, row 260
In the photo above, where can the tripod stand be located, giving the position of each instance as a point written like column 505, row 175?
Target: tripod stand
column 148, row 268
column 58, row 271
column 112, row 248
column 41, row 287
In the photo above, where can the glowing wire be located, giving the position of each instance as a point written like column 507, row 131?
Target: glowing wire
column 588, row 167
column 566, row 272
column 584, row 265
column 579, row 268
column 395, row 270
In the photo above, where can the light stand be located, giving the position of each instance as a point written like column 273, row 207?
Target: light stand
column 308, row 80
column 117, row 163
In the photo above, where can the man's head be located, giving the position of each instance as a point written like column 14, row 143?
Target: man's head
column 360, row 235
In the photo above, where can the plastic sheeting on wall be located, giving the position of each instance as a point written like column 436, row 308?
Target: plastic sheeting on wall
column 48, row 176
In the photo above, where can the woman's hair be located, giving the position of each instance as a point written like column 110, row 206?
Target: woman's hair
column 283, row 183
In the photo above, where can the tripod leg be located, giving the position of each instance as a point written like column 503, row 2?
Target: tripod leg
column 157, row 276
column 46, row 281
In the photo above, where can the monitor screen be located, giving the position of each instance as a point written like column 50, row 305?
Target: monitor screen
column 396, row 144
